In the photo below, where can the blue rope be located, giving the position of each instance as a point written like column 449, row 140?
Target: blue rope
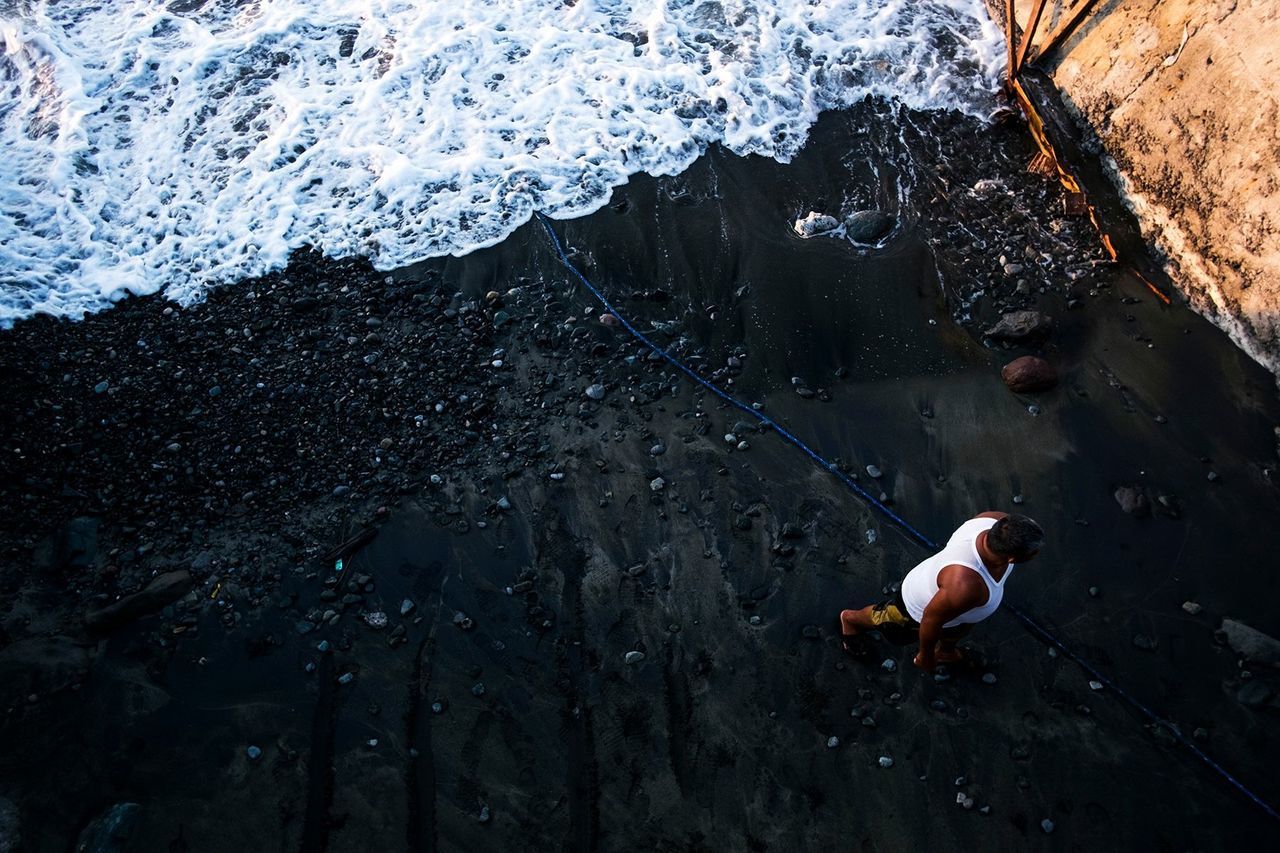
column 1031, row 624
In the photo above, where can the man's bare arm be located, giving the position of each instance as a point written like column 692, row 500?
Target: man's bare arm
column 959, row 590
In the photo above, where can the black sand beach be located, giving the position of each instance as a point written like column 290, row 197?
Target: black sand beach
column 516, row 545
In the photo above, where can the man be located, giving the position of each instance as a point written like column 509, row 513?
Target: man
column 947, row 593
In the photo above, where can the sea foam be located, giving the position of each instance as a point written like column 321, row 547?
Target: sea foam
column 175, row 146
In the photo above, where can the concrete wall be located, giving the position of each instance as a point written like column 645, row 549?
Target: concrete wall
column 1192, row 130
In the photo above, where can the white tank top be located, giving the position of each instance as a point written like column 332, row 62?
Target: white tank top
column 921, row 583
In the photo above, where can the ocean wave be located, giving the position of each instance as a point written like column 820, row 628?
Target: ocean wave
column 176, row 146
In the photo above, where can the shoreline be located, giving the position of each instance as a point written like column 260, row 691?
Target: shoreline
column 566, row 743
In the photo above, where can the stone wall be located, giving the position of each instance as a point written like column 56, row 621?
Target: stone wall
column 1189, row 127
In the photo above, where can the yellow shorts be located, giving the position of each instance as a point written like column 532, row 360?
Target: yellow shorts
column 892, row 619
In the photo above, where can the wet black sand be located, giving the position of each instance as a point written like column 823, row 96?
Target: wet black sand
column 718, row 738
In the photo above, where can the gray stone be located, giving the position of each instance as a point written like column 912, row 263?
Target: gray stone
column 885, row 761
column 815, row 224
column 10, row 836
column 1021, row 326
column 164, row 589
column 868, row 227
column 633, row 657
column 254, row 753
column 595, row 392
column 406, row 607
column 833, row 742
column 1133, row 500
column 1192, row 607
column 1251, row 643
column 1254, row 694
column 657, row 484
column 889, row 665
column 1047, row 826
column 111, row 831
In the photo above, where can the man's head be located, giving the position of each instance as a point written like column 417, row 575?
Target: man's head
column 1016, row 538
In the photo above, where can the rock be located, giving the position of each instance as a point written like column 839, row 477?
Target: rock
column 989, row 678
column 1029, row 374
column 40, row 666
column 1021, row 327
column 478, row 689
column 9, row 827
column 1047, row 826
column 111, row 831
column 1251, row 644
column 376, row 620
column 889, row 665
column 504, row 503
column 1145, row 642
column 633, row 657
column 406, row 607
column 874, row 472
column 609, row 320
column 1192, row 608
column 253, row 752
column 1254, row 694
column 833, row 742
column 1133, row 500
column 868, row 227
column 595, row 392
column 885, row 761
column 657, row 484
column 164, row 589
column 815, row 224
column 463, row 621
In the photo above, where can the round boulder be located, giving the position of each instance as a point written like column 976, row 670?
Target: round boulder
column 1029, row 374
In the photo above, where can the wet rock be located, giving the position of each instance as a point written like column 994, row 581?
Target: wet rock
column 833, row 742
column 885, row 761
column 1133, row 500
column 889, row 665
column 595, row 392
column 40, row 666
column 874, row 472
column 868, row 227
column 1029, row 374
column 1046, row 826
column 1251, row 644
column 1192, row 608
column 406, row 607
column 633, row 657
column 1021, row 327
column 815, row 224
column 163, row 590
column 111, row 831
column 657, row 484
column 10, row 837
column 1254, row 694
column 253, row 752
column 1145, row 642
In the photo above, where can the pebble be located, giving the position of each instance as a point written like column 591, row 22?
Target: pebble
column 873, row 472
column 1095, row 685
column 406, row 607
column 1094, row 592
column 754, row 620
column 485, row 815
column 557, row 476
column 254, row 753
column 595, row 392
column 1047, row 826
column 742, row 445
column 633, row 657
column 889, row 665
column 963, row 800
column 886, row 761
column 346, row 678
column 658, row 449
column 833, row 742
column 1191, row 607
column 376, row 619
column 101, row 387
column 477, row 689
column 988, row 678
column 1017, row 499
column 657, row 484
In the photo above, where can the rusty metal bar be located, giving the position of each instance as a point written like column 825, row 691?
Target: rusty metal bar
column 1066, row 26
column 1028, row 35
column 1010, row 42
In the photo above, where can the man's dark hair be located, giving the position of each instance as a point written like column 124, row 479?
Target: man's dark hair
column 1015, row 536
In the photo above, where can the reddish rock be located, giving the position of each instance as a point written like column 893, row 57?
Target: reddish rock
column 1029, row 374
